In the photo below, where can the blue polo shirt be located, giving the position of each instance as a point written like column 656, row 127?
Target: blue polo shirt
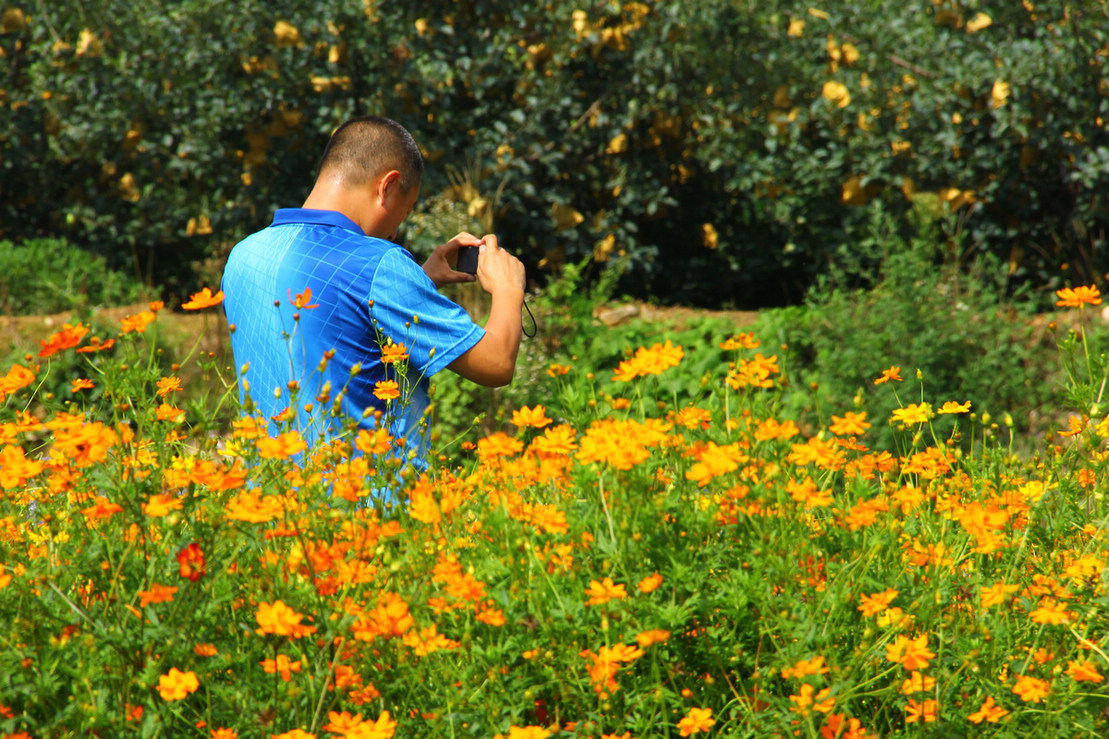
column 364, row 292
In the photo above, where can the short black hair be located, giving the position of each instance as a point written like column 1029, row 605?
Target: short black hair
column 365, row 147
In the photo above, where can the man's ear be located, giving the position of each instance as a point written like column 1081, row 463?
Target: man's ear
column 388, row 187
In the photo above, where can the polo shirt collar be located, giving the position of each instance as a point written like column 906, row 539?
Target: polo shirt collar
column 316, row 218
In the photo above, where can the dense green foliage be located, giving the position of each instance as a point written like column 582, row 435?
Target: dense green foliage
column 723, row 147
column 52, row 276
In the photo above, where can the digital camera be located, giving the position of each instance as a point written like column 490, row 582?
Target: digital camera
column 467, row 260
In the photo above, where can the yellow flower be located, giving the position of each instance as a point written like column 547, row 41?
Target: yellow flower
column 286, row 34
column 978, row 22
column 176, row 685
column 952, row 407
column 836, row 92
column 912, row 414
column 999, row 94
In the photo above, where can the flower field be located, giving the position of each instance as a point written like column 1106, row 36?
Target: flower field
column 608, row 565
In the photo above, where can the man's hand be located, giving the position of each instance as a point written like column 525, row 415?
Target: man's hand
column 440, row 265
column 498, row 270
column 492, row 361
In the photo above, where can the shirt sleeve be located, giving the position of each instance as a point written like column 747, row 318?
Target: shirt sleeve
column 408, row 309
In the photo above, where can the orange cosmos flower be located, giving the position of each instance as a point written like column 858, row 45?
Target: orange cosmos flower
column 386, row 390
column 302, row 300
column 535, row 417
column 192, row 564
column 893, row 373
column 852, row 424
column 15, row 468
column 167, row 412
column 1049, row 611
column 805, row 702
column 1078, row 297
column 912, row 654
column 96, row 345
column 1031, row 689
column 740, row 341
column 203, row 299
column 556, row 440
column 392, row 353
column 167, row 385
column 651, row 361
column 103, row 508
column 68, row 337
column 176, row 685
column 283, row 666
column 651, row 636
column 282, row 446
column 1083, row 672
column 81, row 383
column 650, row 583
column 18, row 377
column 156, row 594
column 557, row 370
column 602, row 592
column 281, row 620
column 925, row 711
column 161, row 504
column 224, row 733
column 837, row 726
column 917, row 682
column 805, row 667
column 376, row 441
column 136, row 323
column 989, row 712
column 294, row 734
column 205, row 650
column 692, row 417
column 876, row 602
column 525, row 732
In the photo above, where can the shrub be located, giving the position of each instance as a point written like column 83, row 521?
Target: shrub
column 718, row 149
column 951, row 327
column 44, row 276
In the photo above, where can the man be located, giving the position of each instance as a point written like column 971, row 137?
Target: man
column 313, row 299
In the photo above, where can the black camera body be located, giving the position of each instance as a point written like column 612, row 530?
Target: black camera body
column 467, row 260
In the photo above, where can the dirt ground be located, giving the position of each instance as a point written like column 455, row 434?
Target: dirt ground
column 208, row 328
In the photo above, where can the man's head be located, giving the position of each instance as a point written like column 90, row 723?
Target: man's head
column 370, row 171
column 365, row 148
